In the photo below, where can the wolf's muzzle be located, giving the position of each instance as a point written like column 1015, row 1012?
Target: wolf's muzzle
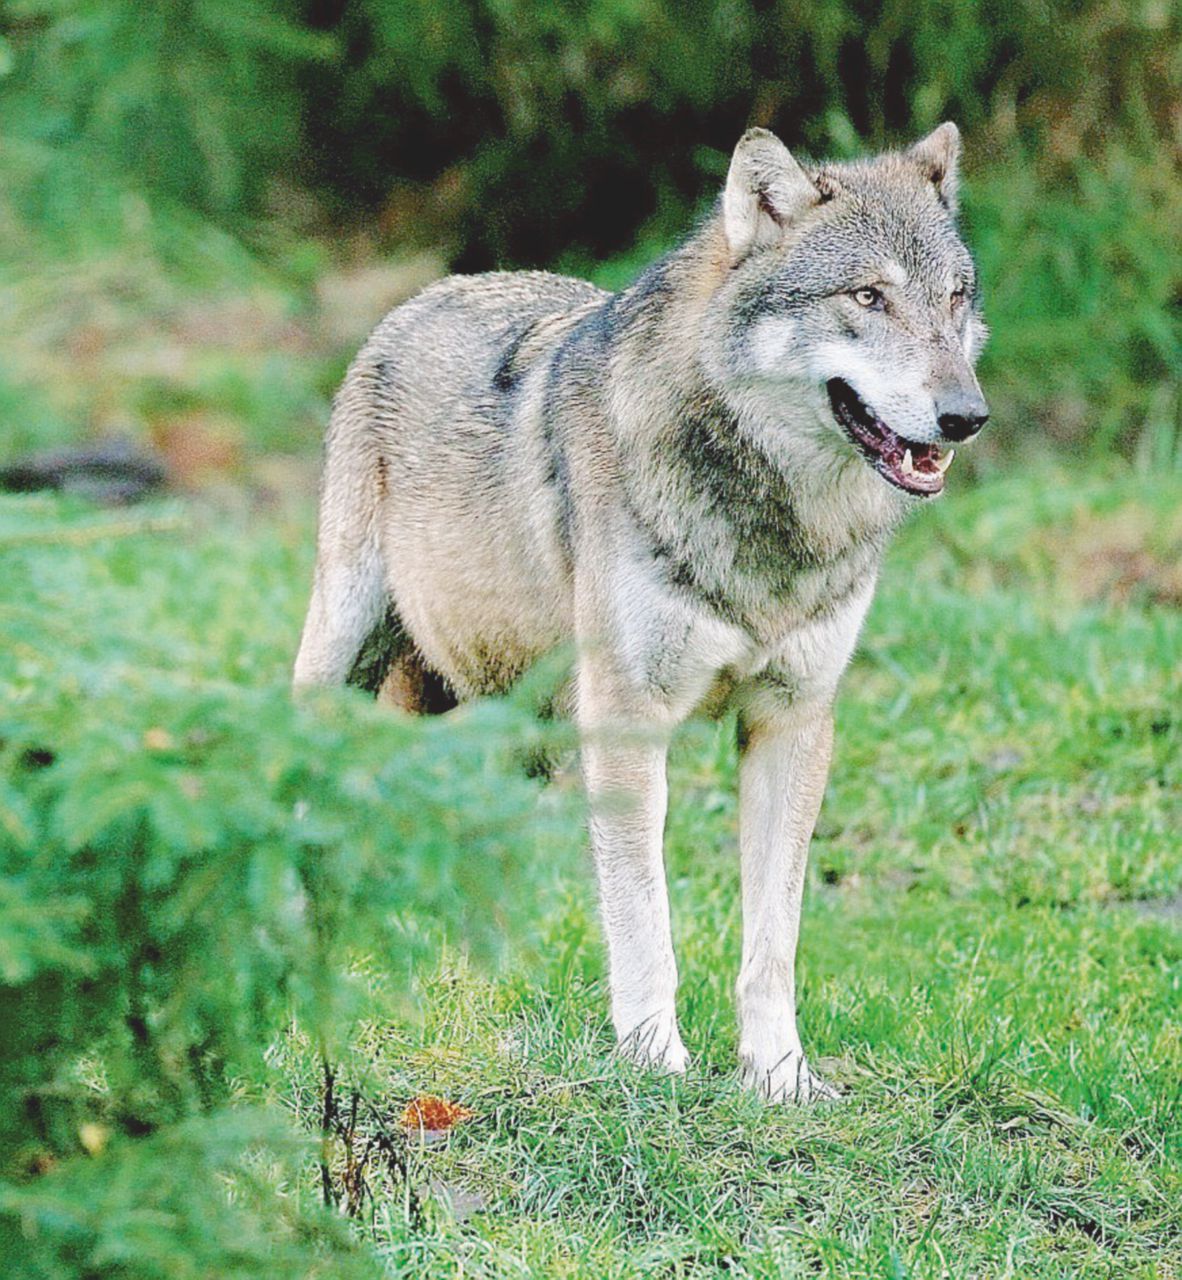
column 961, row 416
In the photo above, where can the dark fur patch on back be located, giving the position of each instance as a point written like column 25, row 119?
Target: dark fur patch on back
column 507, row 371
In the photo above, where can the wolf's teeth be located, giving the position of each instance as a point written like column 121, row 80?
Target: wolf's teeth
column 907, row 467
column 944, row 461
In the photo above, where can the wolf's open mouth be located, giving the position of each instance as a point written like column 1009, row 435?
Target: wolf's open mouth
column 907, row 464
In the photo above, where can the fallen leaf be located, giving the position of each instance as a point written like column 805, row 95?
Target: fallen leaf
column 433, row 1115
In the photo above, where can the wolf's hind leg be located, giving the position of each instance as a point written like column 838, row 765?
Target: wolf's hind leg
column 409, row 684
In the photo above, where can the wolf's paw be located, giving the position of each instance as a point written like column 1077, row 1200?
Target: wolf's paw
column 790, row 1080
column 656, row 1043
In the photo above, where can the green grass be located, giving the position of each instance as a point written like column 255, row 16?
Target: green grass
column 990, row 956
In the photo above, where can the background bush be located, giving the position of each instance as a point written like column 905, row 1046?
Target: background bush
column 570, row 135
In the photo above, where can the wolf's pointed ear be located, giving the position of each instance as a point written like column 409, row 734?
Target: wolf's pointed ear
column 766, row 190
column 938, row 156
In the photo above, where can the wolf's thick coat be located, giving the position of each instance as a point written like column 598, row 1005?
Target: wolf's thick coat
column 517, row 461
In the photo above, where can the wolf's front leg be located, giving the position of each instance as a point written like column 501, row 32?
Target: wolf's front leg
column 784, row 761
column 624, row 771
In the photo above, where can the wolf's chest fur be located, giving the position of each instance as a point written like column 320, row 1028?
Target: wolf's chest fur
column 765, row 551
column 731, row 578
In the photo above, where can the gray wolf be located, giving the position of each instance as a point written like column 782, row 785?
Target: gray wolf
column 693, row 482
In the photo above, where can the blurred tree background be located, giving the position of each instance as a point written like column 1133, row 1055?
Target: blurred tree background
column 207, row 202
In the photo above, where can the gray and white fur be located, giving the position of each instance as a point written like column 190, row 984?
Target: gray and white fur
column 693, row 481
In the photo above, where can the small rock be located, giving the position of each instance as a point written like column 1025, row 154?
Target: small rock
column 458, row 1201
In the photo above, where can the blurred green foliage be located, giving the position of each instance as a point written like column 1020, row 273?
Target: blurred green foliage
column 188, row 863
column 574, row 135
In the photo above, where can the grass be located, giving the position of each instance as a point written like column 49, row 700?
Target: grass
column 990, row 956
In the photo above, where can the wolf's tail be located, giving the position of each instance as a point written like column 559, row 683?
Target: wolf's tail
column 349, row 597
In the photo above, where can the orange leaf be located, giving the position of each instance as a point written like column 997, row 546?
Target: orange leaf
column 433, row 1114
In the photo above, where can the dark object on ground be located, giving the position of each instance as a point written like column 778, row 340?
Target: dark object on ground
column 113, row 472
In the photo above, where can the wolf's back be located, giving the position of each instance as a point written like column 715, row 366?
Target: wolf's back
column 466, row 331
column 439, row 437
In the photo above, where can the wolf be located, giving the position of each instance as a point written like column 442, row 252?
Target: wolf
column 692, row 483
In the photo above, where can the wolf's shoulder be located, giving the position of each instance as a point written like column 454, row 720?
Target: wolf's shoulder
column 495, row 325
column 508, row 293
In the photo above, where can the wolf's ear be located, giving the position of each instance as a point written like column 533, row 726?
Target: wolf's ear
column 938, row 156
column 766, row 190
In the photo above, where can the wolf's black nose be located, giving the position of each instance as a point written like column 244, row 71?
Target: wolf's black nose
column 958, row 426
column 962, row 417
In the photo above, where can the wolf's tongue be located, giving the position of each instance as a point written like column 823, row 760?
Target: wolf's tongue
column 923, row 458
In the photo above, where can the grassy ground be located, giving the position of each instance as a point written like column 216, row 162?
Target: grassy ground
column 990, row 956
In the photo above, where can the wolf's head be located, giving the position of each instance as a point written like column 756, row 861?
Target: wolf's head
column 850, row 305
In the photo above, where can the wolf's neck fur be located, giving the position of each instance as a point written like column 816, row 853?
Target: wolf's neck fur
column 745, row 508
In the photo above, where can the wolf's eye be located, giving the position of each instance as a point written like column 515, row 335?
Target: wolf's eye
column 867, row 297
column 959, row 294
